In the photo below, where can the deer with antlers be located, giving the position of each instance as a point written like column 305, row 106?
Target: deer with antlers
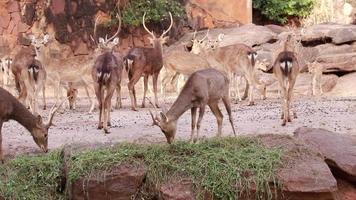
column 12, row 109
column 286, row 69
column 144, row 61
column 106, row 74
column 204, row 87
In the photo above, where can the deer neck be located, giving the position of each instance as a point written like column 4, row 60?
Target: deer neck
column 181, row 105
column 40, row 56
column 23, row 116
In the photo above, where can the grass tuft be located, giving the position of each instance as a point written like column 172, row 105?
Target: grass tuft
column 32, row 177
column 226, row 168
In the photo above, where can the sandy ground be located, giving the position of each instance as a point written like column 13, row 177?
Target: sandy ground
column 79, row 127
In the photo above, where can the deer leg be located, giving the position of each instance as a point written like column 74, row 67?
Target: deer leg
column 250, row 95
column 200, row 118
column 237, row 84
column 226, row 101
column 1, row 153
column 145, row 86
column 98, row 95
column 107, row 107
column 131, row 85
column 91, row 101
column 44, row 97
column 247, row 88
column 214, row 107
column 290, row 94
column 118, row 97
column 155, row 79
column 194, row 122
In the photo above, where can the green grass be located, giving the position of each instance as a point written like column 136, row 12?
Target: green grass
column 226, row 168
column 32, row 177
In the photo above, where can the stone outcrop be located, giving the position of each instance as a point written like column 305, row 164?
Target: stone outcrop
column 121, row 183
column 337, row 34
column 338, row 150
column 218, row 13
column 345, row 86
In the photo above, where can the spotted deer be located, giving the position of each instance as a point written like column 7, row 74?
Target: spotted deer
column 7, row 76
column 286, row 69
column 146, row 61
column 316, row 69
column 204, row 87
column 12, row 109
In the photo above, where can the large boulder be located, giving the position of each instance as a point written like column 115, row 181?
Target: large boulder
column 121, row 183
column 345, row 87
column 336, row 33
column 339, row 150
column 218, row 13
column 345, row 62
column 177, row 190
column 304, row 175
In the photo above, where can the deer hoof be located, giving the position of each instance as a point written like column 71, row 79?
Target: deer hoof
column 284, row 123
column 109, row 123
column 289, row 120
column 143, row 106
column 295, row 115
column 44, row 107
column 134, row 109
column 100, row 127
column 251, row 103
column 106, row 131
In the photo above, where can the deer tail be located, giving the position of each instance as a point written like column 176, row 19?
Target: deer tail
column 252, row 57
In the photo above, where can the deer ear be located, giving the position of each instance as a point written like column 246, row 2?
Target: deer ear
column 163, row 117
column 46, row 38
column 101, row 40
column 221, row 37
column 32, row 38
column 115, row 41
column 39, row 120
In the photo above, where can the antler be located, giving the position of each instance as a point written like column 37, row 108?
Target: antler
column 95, row 25
column 53, row 111
column 144, row 26
column 118, row 29
column 155, row 120
column 170, row 26
column 207, row 34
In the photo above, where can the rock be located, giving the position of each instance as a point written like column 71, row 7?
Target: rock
column 346, row 191
column 345, row 87
column 4, row 20
column 304, row 174
column 327, row 49
column 177, row 190
column 13, row 6
column 121, row 183
column 221, row 13
column 328, row 82
column 81, row 49
column 339, row 150
column 345, row 62
column 22, row 27
column 336, row 33
column 57, row 6
column 276, row 29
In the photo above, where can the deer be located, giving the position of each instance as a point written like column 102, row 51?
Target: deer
column 106, row 74
column 286, row 70
column 146, row 61
column 179, row 63
column 204, row 87
column 7, row 77
column 34, row 80
column 237, row 60
column 316, row 69
column 12, row 109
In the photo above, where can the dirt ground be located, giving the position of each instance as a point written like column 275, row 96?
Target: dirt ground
column 79, row 127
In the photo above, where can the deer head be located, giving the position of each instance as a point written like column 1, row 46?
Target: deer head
column 198, row 45
column 167, row 126
column 40, row 131
column 38, row 43
column 215, row 43
column 157, row 41
column 106, row 44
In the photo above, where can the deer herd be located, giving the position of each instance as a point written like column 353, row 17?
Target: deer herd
column 208, row 70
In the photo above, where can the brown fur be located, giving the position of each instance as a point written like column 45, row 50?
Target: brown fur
column 106, row 74
column 145, row 62
column 12, row 109
column 204, row 87
column 286, row 79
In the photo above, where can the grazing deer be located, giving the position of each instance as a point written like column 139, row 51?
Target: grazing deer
column 12, row 109
column 204, row 87
column 106, row 74
column 237, row 60
column 72, row 94
column 34, row 80
column 286, row 69
column 316, row 69
column 143, row 61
